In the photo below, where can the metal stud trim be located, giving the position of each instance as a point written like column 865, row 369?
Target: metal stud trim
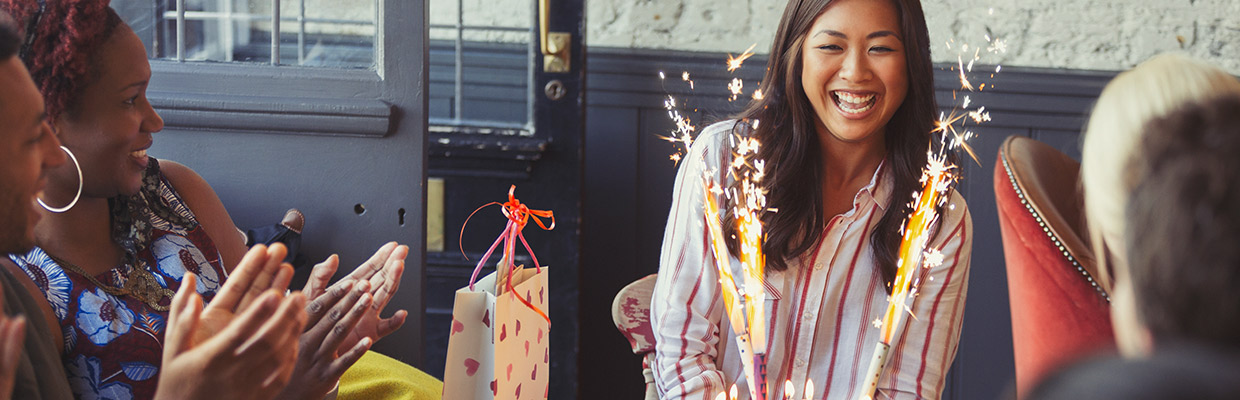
column 1046, row 229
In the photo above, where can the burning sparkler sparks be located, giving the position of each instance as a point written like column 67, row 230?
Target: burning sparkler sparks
column 684, row 126
column 736, row 86
column 734, row 63
column 744, row 300
column 743, row 295
column 937, row 179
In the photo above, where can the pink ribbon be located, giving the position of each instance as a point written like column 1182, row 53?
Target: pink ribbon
column 518, row 216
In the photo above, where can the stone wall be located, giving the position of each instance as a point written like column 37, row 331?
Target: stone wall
column 1075, row 34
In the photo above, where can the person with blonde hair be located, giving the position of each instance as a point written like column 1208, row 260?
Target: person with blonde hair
column 1151, row 90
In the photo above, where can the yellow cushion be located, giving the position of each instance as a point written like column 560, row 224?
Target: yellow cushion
column 376, row 376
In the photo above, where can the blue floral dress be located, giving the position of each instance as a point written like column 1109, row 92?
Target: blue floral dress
column 113, row 345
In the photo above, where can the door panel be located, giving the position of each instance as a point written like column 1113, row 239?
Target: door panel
column 357, row 192
column 491, row 147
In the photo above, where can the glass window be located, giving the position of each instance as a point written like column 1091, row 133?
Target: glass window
column 480, row 60
column 318, row 33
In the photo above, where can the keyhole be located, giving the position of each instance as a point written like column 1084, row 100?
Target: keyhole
column 555, row 90
column 401, row 214
column 359, row 209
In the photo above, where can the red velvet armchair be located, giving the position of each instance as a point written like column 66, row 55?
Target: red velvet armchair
column 1059, row 311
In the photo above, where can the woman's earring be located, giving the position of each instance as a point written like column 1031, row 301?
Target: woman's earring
column 81, row 183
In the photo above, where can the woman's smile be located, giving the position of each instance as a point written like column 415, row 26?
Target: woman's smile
column 854, row 104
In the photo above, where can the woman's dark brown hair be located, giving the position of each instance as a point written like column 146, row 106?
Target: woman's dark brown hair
column 790, row 143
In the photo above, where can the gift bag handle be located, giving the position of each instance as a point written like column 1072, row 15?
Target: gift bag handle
column 518, row 216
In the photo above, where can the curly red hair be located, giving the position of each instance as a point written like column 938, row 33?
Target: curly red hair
column 61, row 44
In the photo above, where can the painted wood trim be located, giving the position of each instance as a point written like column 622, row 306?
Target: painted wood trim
column 279, row 115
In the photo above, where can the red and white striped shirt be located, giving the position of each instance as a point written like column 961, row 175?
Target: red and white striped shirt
column 821, row 311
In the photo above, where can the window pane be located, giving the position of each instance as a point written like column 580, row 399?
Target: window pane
column 326, row 33
column 494, row 42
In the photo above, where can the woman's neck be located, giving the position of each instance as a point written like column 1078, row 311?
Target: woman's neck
column 81, row 236
column 846, row 168
column 844, row 162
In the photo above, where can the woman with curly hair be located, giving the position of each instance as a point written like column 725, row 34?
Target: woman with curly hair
column 121, row 229
column 844, row 126
column 256, row 335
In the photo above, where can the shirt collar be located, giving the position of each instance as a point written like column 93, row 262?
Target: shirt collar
column 879, row 189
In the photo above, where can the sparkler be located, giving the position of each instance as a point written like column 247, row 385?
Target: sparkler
column 936, row 180
column 743, row 296
column 744, row 300
column 743, row 303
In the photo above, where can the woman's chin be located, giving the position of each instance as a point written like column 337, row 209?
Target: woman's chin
column 130, row 188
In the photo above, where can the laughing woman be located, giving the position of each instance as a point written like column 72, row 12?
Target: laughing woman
column 845, row 128
column 122, row 228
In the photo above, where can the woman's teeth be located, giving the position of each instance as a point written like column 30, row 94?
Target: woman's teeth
column 138, row 154
column 854, row 104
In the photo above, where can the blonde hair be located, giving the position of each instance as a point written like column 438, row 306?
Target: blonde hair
column 1150, row 90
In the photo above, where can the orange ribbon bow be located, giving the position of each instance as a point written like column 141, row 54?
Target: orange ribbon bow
column 518, row 216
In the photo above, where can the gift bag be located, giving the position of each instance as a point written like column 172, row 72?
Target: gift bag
column 498, row 346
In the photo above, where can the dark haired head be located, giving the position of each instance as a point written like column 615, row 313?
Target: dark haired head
column 10, row 40
column 61, row 43
column 1184, row 224
column 790, row 144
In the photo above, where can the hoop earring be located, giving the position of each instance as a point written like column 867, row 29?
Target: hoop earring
column 81, row 183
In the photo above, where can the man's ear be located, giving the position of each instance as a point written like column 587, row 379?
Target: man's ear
column 58, row 125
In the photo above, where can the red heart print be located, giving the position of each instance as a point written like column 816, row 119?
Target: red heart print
column 471, row 366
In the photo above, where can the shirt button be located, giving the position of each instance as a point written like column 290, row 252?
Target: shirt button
column 807, row 316
column 818, row 266
column 800, row 362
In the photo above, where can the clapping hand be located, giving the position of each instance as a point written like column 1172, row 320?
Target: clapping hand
column 383, row 271
column 244, row 344
column 320, row 360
